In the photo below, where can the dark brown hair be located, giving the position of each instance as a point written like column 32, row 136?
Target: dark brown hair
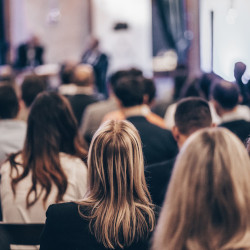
column 52, row 128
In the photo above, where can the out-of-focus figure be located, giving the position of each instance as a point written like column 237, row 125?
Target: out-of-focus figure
column 30, row 53
column 99, row 61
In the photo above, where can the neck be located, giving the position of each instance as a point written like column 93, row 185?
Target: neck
column 138, row 110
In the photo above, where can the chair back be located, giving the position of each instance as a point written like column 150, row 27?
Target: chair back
column 22, row 234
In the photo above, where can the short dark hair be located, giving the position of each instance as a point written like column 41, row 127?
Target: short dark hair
column 149, row 89
column 115, row 77
column 130, row 91
column 191, row 114
column 32, row 85
column 8, row 102
column 226, row 94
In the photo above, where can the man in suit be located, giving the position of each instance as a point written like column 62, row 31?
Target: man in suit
column 158, row 143
column 99, row 61
column 235, row 117
column 191, row 115
column 30, row 54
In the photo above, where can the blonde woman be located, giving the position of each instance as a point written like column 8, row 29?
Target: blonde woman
column 207, row 205
column 117, row 212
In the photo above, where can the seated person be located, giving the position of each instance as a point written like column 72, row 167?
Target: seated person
column 49, row 169
column 94, row 113
column 235, row 117
column 31, row 86
column 148, row 99
column 12, row 130
column 81, row 92
column 30, row 53
column 191, row 114
column 158, row 143
column 117, row 212
column 207, row 203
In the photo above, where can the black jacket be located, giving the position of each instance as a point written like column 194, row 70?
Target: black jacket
column 158, row 144
column 65, row 229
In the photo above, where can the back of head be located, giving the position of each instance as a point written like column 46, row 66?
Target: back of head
column 32, row 85
column 191, row 114
column 115, row 77
column 130, row 91
column 226, row 94
column 149, row 90
column 208, row 200
column 51, row 124
column 8, row 102
column 66, row 72
column 117, row 184
column 52, row 128
column 83, row 75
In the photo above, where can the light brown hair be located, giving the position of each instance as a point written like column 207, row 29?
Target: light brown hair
column 118, row 204
column 207, row 205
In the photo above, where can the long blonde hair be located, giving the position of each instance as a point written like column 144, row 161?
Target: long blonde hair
column 207, row 205
column 118, row 204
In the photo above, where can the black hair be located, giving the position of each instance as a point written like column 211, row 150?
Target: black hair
column 115, row 77
column 226, row 94
column 8, row 102
column 32, row 85
column 191, row 114
column 130, row 91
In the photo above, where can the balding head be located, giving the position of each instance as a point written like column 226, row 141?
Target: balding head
column 83, row 75
column 226, row 94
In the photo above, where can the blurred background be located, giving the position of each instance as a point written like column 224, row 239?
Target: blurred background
column 155, row 36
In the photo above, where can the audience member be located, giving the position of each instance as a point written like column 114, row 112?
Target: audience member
column 190, row 89
column 12, row 131
column 191, row 114
column 117, row 212
column 148, row 99
column 66, row 73
column 94, row 113
column 31, row 86
column 83, row 90
column 207, row 205
column 6, row 74
column 50, row 168
column 158, row 143
column 234, row 117
column 239, row 70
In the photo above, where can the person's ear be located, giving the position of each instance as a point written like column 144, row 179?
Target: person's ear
column 145, row 99
column 176, row 133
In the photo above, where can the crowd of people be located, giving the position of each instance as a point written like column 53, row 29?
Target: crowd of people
column 113, row 173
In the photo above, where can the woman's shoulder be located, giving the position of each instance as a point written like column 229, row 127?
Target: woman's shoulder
column 64, row 214
column 68, row 160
